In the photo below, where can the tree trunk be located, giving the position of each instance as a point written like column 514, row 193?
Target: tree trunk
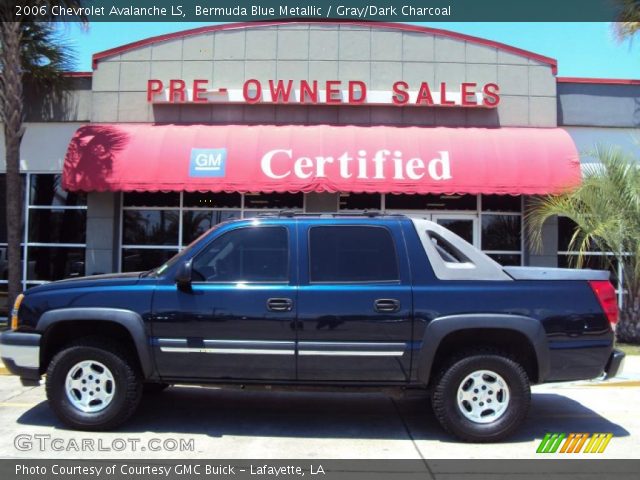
column 12, row 117
column 628, row 328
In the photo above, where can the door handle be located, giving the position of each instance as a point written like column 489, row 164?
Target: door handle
column 386, row 305
column 279, row 304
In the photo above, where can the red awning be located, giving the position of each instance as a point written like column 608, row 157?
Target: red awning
column 242, row 158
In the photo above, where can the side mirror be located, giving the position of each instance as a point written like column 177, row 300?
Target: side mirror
column 183, row 275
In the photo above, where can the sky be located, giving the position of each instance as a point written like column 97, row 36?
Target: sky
column 582, row 49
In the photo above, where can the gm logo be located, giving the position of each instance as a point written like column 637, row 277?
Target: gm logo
column 208, row 162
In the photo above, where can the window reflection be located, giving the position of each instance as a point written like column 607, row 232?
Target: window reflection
column 461, row 227
column 506, row 260
column 212, row 200
column 143, row 259
column 245, row 255
column 196, row 222
column 501, row 203
column 4, row 306
column 431, row 202
column 501, row 232
column 360, row 201
column 54, row 263
column 56, row 218
column 57, row 226
column 274, row 200
column 150, row 227
column 151, row 199
column 46, row 189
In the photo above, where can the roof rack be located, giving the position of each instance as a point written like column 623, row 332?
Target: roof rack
column 294, row 213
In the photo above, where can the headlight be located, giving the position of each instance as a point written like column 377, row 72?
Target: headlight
column 14, row 312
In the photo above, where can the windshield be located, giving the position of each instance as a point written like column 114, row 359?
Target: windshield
column 178, row 256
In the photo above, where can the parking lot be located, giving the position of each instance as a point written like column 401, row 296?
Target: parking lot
column 195, row 422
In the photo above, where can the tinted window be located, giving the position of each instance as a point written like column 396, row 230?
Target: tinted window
column 352, row 254
column 212, row 200
column 566, row 230
column 431, row 202
column 150, row 227
column 501, row 203
column 55, row 263
column 258, row 254
column 196, row 222
column 57, row 226
column 46, row 189
column 151, row 199
column 360, row 201
column 142, row 259
column 273, row 200
column 506, row 260
column 501, row 232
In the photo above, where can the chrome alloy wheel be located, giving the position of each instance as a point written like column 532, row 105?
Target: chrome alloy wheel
column 90, row 386
column 483, row 396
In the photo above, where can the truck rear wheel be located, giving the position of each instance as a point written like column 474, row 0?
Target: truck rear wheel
column 481, row 397
column 92, row 385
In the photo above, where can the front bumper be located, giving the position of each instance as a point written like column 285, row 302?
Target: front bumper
column 615, row 364
column 20, row 353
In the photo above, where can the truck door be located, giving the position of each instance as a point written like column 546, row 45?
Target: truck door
column 238, row 319
column 354, row 303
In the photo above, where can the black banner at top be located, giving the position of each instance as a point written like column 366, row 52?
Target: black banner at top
column 343, row 10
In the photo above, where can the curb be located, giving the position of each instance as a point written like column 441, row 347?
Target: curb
column 3, row 369
column 618, row 383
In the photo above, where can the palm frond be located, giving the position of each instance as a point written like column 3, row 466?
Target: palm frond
column 627, row 19
column 605, row 209
column 45, row 54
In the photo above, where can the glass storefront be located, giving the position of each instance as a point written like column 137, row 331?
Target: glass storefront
column 53, row 232
column 56, row 230
column 157, row 225
column 594, row 259
column 492, row 223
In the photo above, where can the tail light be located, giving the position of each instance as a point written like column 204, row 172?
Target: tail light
column 606, row 295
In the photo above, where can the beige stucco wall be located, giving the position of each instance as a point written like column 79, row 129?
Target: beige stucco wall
column 44, row 146
column 323, row 52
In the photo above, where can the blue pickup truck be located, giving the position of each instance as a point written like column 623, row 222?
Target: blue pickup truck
column 330, row 301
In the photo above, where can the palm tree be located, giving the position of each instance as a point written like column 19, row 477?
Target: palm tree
column 605, row 209
column 628, row 19
column 31, row 54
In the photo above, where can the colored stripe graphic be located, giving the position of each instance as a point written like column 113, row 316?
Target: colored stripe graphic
column 598, row 443
column 550, row 443
column 573, row 442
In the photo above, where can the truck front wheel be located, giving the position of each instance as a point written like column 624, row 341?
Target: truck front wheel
column 92, row 385
column 481, row 397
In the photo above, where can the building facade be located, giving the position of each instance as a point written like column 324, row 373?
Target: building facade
column 127, row 200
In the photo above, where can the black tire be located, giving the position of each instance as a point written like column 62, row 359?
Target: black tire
column 154, row 387
column 126, row 377
column 445, row 402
